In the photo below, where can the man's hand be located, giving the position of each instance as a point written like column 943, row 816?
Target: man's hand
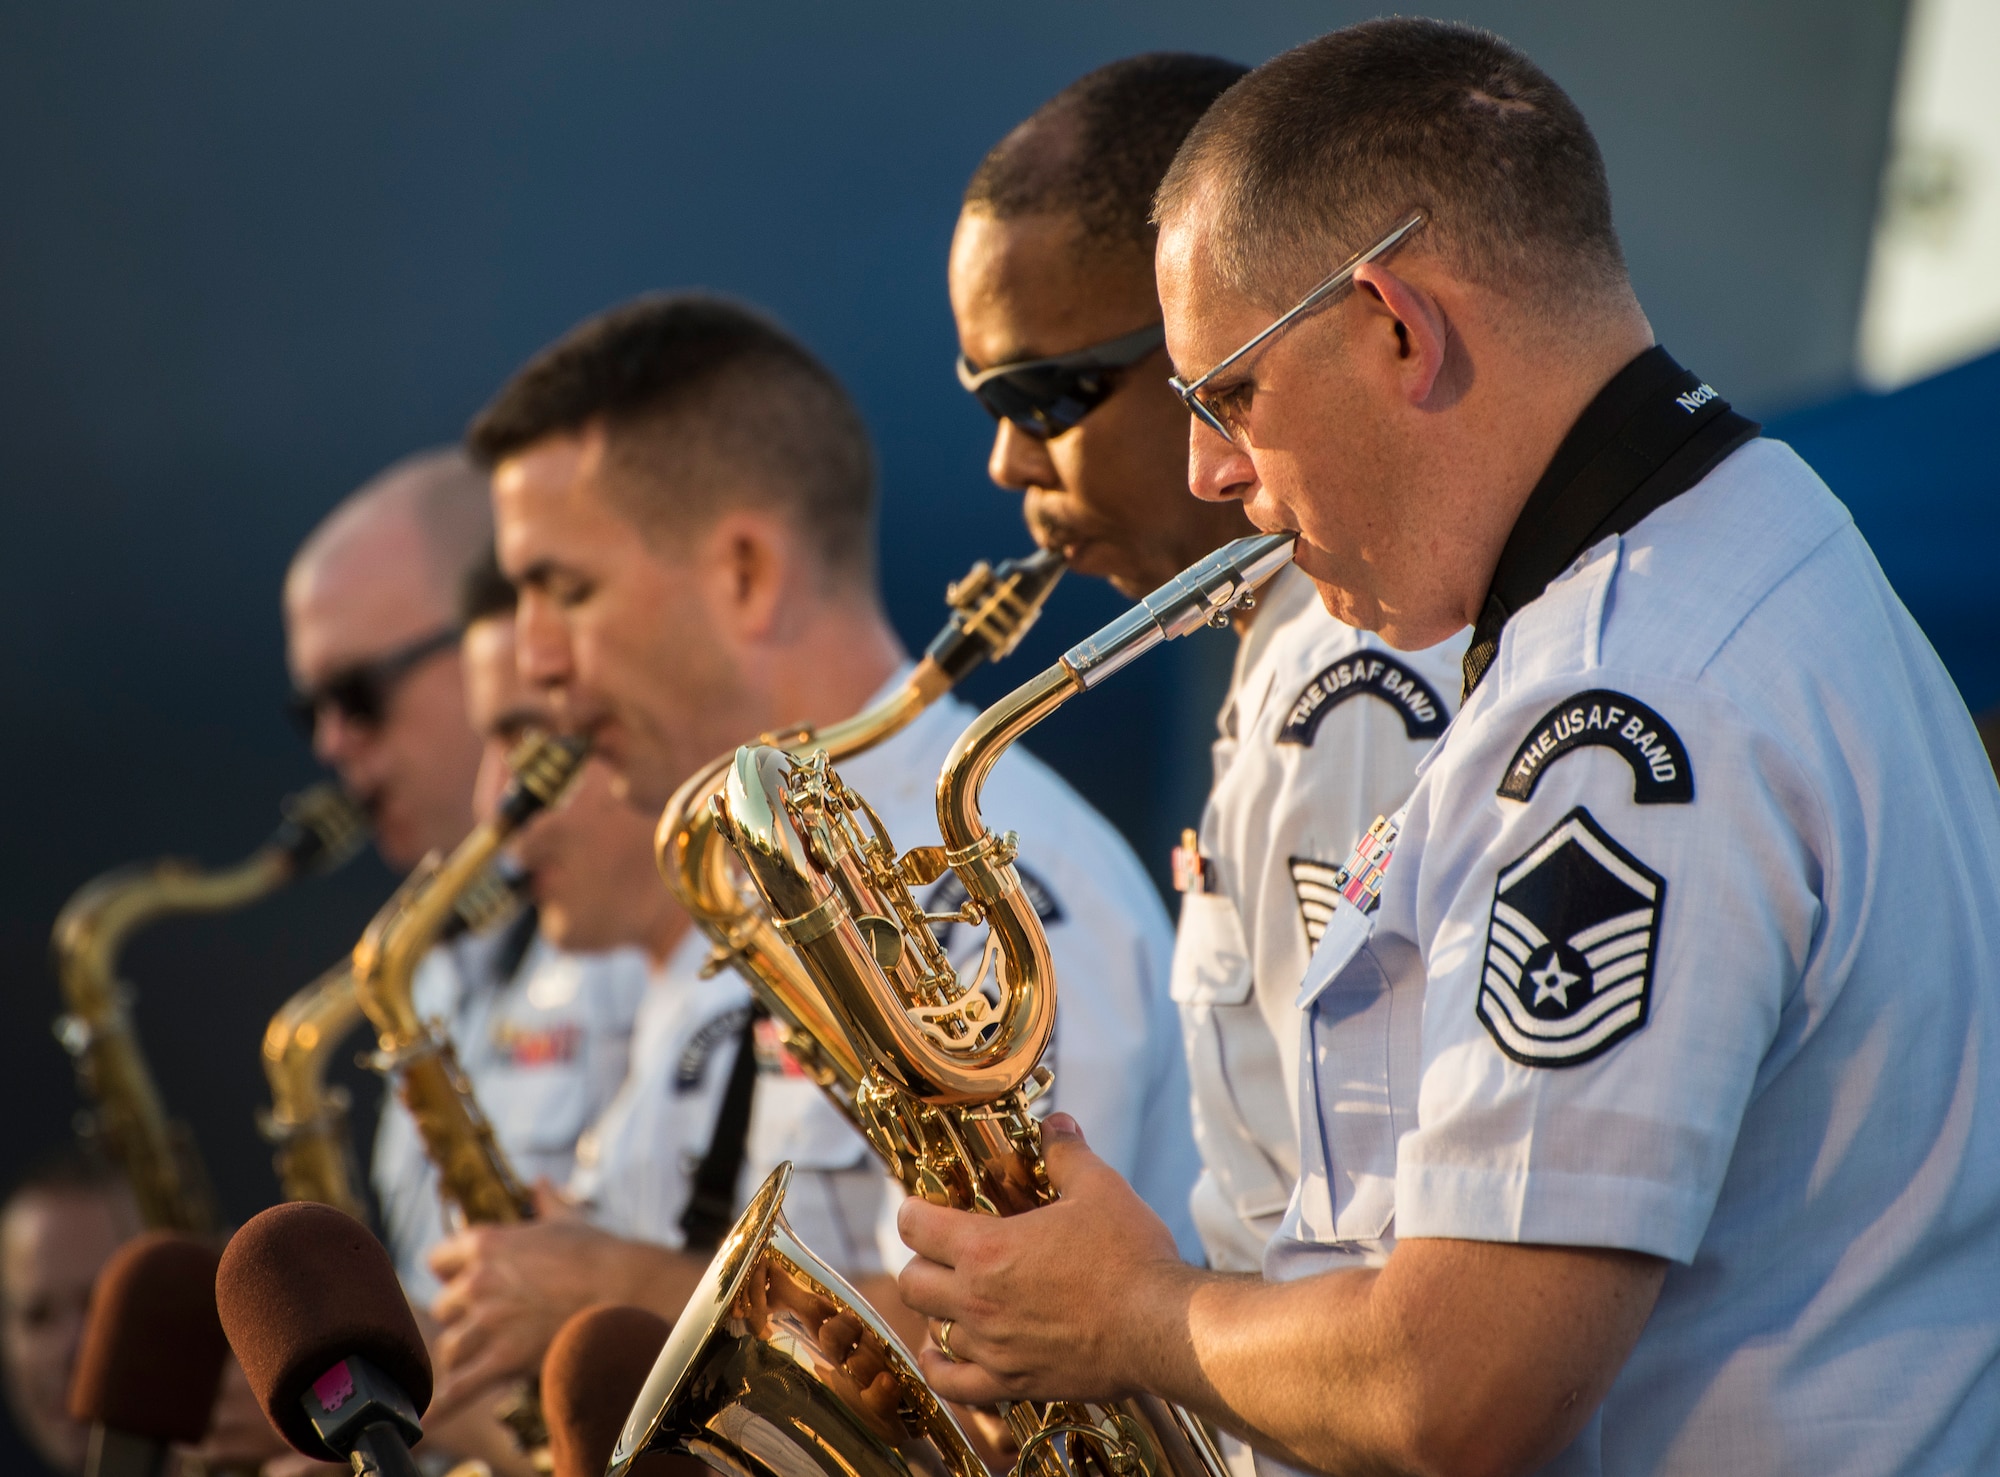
column 1038, row 1302
column 508, row 1289
column 1454, row 1356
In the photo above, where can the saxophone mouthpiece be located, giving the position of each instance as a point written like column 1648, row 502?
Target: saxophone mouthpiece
column 322, row 831
column 992, row 609
column 544, row 767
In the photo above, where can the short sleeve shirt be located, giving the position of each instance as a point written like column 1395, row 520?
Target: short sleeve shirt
column 1688, row 947
column 1319, row 734
column 543, row 1049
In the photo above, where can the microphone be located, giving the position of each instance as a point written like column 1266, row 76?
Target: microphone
column 319, row 1322
column 150, row 1362
column 591, row 1375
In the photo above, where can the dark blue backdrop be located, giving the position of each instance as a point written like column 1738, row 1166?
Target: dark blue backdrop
column 252, row 253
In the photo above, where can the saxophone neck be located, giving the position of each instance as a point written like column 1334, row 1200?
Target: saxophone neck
column 321, row 829
column 386, row 959
column 1202, row 594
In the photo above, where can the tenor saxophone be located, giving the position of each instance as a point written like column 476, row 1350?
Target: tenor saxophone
column 306, row 1124
column 948, row 1077
column 321, row 830
column 991, row 610
column 473, row 1173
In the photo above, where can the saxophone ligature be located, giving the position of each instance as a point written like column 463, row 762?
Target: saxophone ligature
column 950, row 1067
column 321, row 830
column 307, row 1122
column 992, row 609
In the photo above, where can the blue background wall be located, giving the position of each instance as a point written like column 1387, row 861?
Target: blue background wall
column 249, row 254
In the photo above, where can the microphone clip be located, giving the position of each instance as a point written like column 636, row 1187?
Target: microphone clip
column 362, row 1414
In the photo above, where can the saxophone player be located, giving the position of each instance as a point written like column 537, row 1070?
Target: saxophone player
column 684, row 498
column 1322, row 726
column 1645, row 1125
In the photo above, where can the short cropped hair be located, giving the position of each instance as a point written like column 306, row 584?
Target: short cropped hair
column 1097, row 149
column 1319, row 152
column 707, row 404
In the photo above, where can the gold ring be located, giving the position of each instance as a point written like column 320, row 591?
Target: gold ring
column 944, row 1342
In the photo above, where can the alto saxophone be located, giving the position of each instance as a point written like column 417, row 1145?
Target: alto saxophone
column 991, row 610
column 306, row 1123
column 948, row 1077
column 321, row 830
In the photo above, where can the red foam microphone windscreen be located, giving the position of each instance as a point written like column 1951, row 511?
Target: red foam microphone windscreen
column 590, row 1376
column 152, row 1351
column 302, row 1287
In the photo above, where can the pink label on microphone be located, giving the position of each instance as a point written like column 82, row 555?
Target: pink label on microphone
column 334, row 1388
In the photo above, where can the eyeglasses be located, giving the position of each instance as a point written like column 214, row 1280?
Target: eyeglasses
column 1191, row 393
column 1045, row 397
column 361, row 693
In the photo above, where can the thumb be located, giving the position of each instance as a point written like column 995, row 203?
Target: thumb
column 552, row 1205
column 1069, row 1157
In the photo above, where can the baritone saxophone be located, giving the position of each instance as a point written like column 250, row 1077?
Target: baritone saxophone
column 321, row 830
column 950, row 1067
column 991, row 610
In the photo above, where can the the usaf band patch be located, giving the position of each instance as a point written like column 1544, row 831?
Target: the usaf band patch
column 1376, row 674
column 1569, row 949
column 1661, row 773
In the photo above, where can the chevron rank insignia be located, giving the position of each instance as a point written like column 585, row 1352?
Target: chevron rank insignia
column 1317, row 884
column 1569, row 949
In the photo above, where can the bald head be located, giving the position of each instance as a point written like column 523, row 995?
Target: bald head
column 380, row 577
column 429, row 514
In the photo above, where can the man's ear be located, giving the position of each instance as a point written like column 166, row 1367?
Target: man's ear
column 1410, row 323
column 748, row 562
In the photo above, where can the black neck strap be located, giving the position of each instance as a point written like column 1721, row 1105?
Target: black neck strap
column 711, row 1207
column 1652, row 433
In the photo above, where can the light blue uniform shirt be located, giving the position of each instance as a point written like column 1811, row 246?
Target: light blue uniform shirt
column 1319, row 734
column 1752, row 1032
column 544, row 1050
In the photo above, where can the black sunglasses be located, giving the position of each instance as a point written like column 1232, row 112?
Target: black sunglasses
column 1045, row 397
column 361, row 692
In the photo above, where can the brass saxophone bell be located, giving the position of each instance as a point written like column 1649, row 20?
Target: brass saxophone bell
column 778, row 1368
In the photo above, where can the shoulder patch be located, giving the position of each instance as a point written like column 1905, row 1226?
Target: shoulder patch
column 700, row 1049
column 1569, row 947
column 1375, row 674
column 1661, row 773
column 950, row 896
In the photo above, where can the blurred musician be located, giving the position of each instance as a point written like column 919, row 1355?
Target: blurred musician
column 58, row 1227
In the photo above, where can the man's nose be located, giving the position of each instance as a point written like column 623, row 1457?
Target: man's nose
column 336, row 737
column 541, row 642
column 1019, row 461
column 1219, row 471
